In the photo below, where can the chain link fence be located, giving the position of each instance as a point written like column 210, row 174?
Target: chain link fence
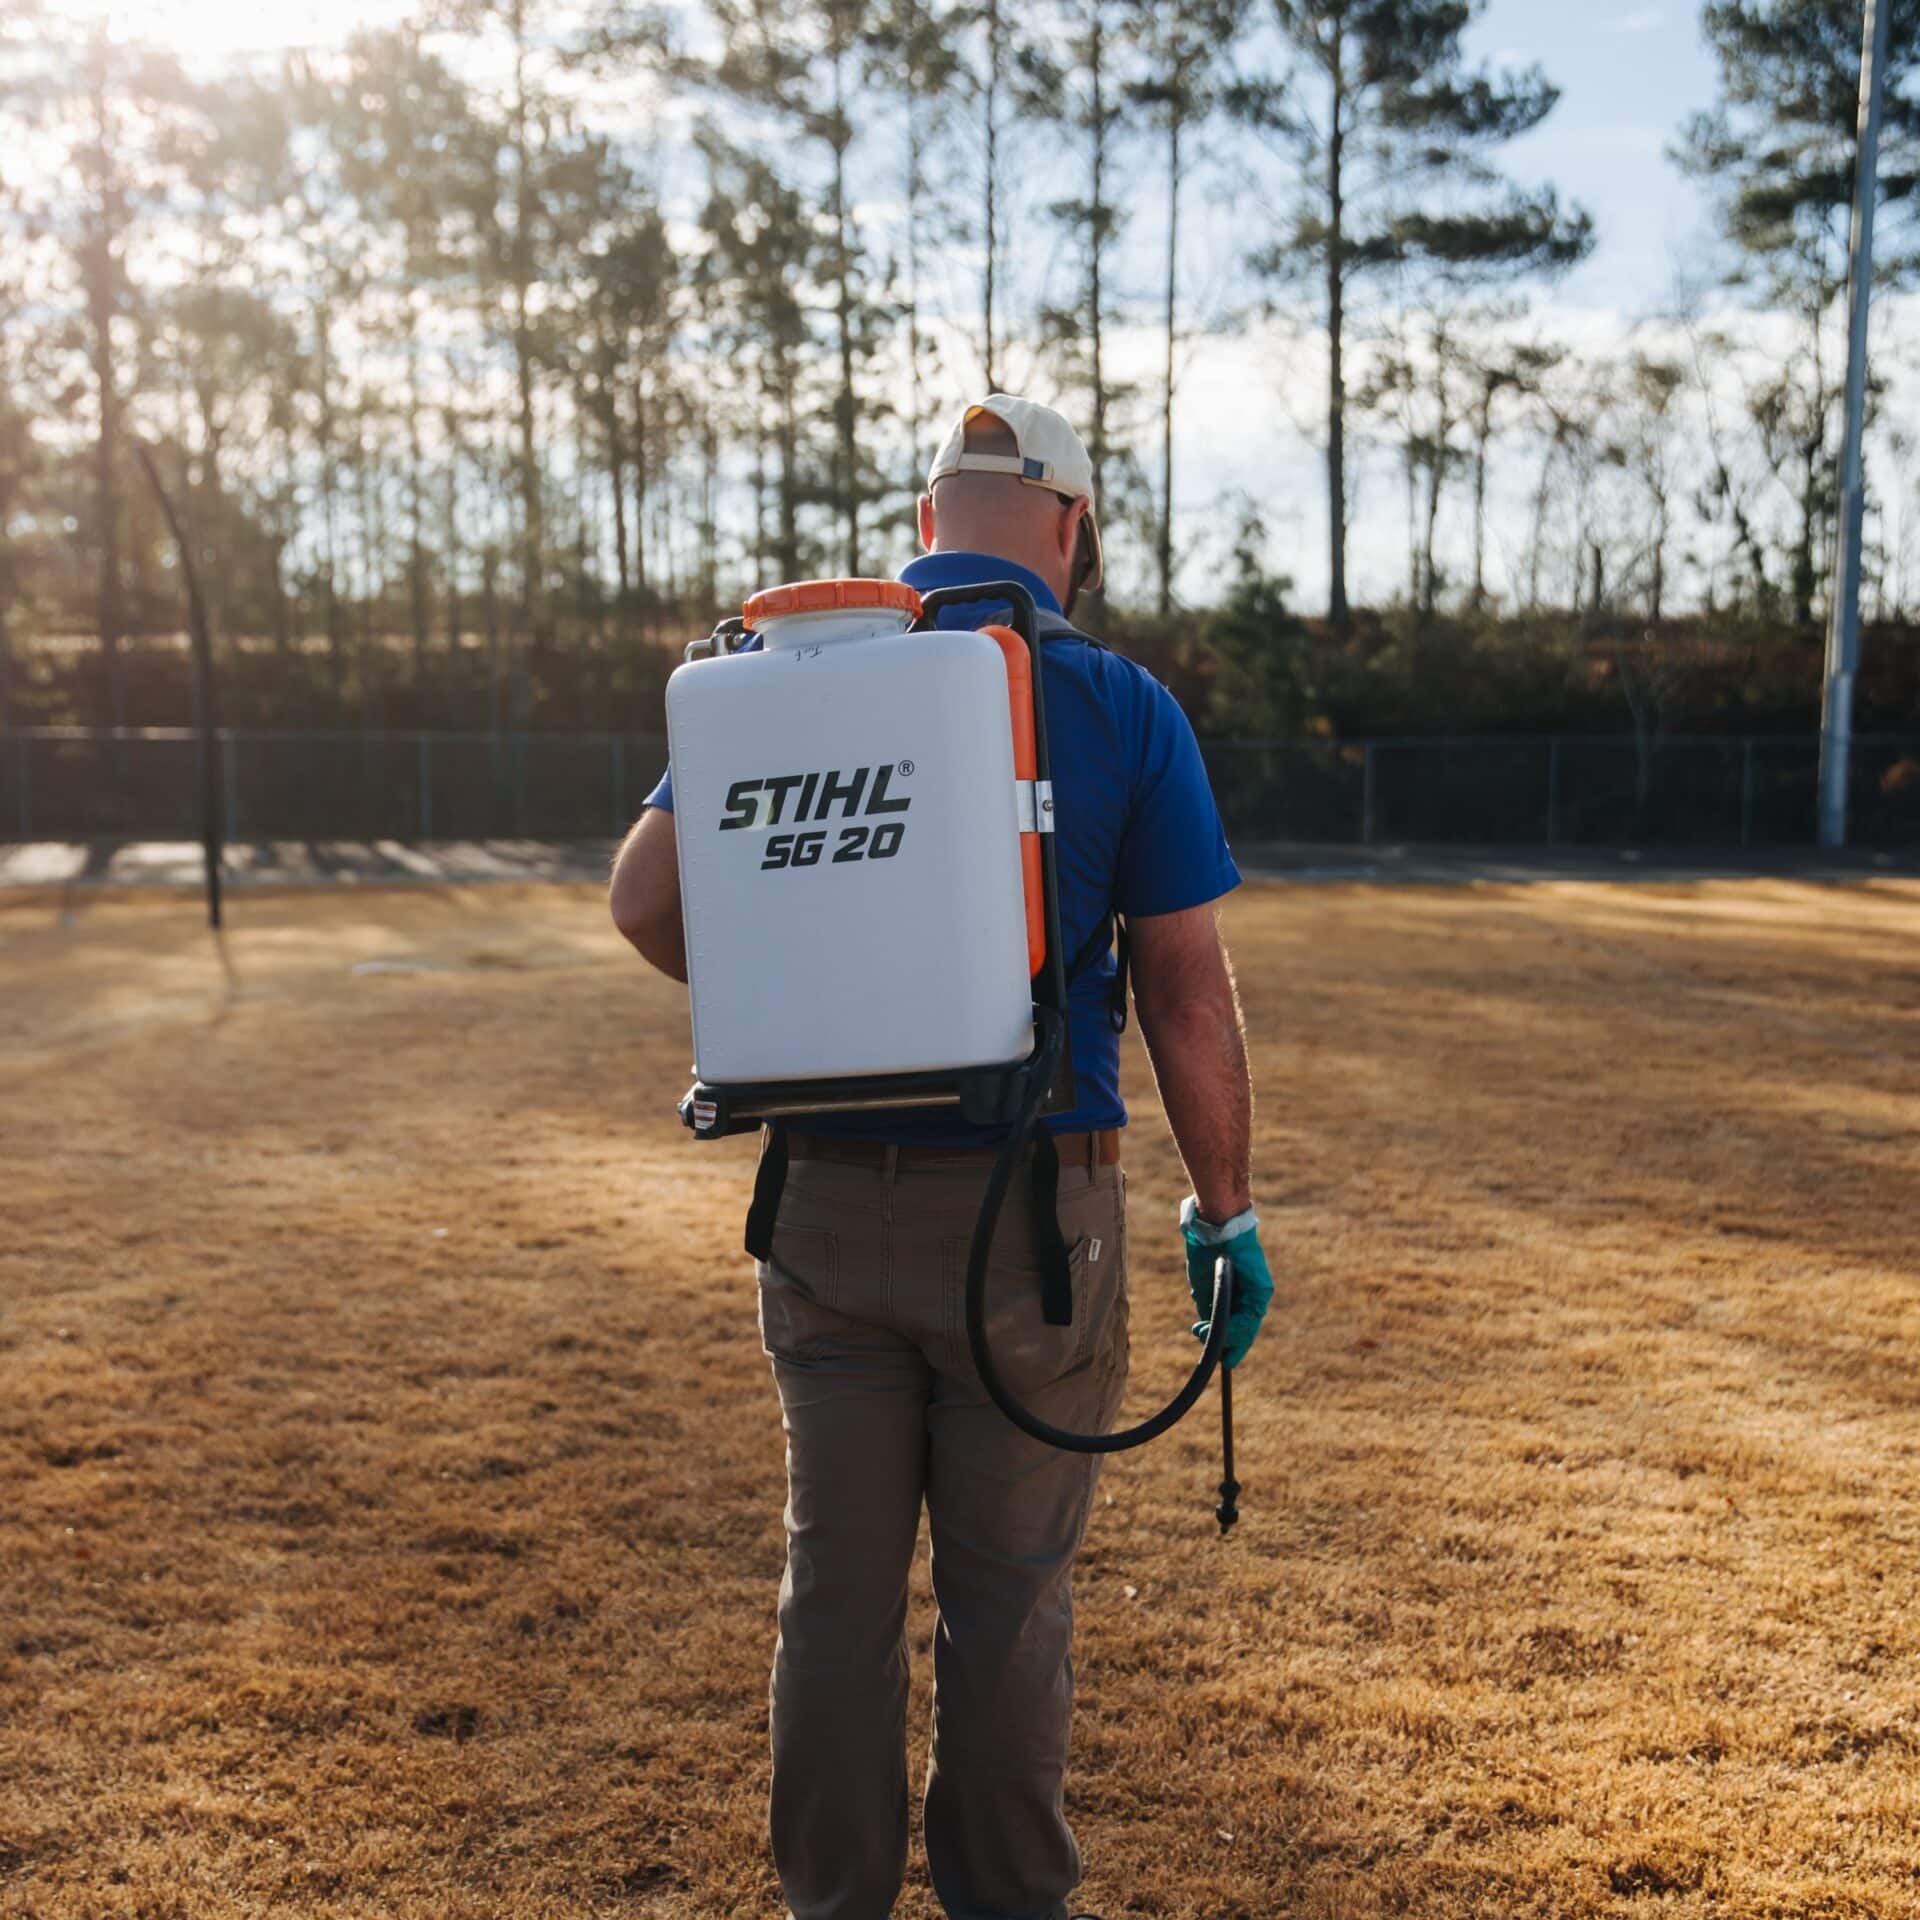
column 59, row 783
column 70, row 783
column 1563, row 790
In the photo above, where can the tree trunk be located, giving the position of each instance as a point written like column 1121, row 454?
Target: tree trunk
column 8, row 581
column 277, row 595
column 1091, row 604
column 913, row 184
column 1410, row 470
column 1805, row 567
column 1436, row 476
column 1657, row 597
column 107, row 510
column 617, row 480
column 642, row 477
column 329, row 487
column 106, row 468
column 418, row 607
column 373, row 690
column 1337, row 612
column 1534, row 556
column 490, row 624
column 788, row 555
column 532, row 533
column 1482, row 436
column 97, row 263
column 1096, row 246
column 846, row 415
column 1164, row 555
column 992, row 181
column 709, row 528
column 450, row 553
column 760, row 542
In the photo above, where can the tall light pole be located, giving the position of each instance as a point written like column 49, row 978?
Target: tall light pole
column 1843, row 616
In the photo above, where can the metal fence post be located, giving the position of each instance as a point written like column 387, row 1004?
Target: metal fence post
column 1553, row 791
column 617, row 750
column 1366, row 794
column 520, row 783
column 26, row 786
column 426, row 786
column 230, row 779
column 1746, row 792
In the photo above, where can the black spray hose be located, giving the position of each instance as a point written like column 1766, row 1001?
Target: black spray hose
column 1052, row 1035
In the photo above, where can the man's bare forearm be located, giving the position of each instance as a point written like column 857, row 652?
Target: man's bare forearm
column 644, row 894
column 1190, row 1017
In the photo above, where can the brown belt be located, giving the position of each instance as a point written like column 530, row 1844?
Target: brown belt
column 1097, row 1149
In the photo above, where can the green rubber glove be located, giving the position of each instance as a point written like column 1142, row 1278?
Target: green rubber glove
column 1239, row 1240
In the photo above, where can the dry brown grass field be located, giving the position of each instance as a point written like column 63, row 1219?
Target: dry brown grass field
column 390, row 1481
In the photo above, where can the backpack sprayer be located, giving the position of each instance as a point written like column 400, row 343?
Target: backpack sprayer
column 903, row 879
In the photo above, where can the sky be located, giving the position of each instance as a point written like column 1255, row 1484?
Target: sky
column 1629, row 73
column 1629, row 76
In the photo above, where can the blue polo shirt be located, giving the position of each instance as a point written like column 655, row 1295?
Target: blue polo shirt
column 1138, row 833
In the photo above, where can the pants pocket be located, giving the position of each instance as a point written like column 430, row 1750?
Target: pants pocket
column 798, row 1287
column 1029, row 1352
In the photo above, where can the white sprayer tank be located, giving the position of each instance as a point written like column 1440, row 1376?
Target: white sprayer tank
column 849, row 843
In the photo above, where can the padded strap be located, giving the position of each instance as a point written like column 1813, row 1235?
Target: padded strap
column 769, row 1182
column 1112, row 929
column 1056, row 1281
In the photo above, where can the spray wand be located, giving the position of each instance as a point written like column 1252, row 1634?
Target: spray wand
column 1228, row 1511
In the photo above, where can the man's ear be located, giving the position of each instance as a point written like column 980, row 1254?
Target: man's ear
column 926, row 521
column 1070, row 524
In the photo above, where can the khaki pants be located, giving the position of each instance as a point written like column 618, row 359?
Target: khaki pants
column 861, row 1314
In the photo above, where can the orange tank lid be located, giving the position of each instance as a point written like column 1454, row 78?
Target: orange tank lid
column 830, row 596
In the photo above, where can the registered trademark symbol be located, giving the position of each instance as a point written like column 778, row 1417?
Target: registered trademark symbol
column 906, row 766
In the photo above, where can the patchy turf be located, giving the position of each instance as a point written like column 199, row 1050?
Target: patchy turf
column 390, row 1482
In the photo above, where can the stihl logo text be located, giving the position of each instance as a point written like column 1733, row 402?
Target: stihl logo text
column 862, row 793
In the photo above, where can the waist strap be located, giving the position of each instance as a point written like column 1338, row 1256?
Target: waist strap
column 1097, row 1149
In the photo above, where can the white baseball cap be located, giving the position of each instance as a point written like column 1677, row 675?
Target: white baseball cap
column 1051, row 455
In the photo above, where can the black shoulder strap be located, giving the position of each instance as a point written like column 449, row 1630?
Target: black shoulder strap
column 1056, row 626
column 1056, row 1277
column 1111, row 931
column 769, row 1182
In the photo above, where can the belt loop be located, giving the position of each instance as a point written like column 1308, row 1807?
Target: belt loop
column 890, row 1165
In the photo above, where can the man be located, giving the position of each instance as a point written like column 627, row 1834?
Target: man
column 860, row 1304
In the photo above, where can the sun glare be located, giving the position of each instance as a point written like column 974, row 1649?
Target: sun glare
column 215, row 30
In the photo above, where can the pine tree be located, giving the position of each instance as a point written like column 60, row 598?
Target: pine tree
column 1185, row 44
column 17, row 455
column 1779, row 147
column 913, row 53
column 757, row 270
column 410, row 159
column 1390, row 130
column 1075, row 79
column 802, row 58
column 626, row 296
column 120, row 117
